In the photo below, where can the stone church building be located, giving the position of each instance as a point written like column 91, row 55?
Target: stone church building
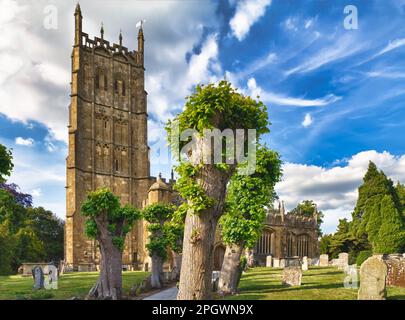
column 108, row 147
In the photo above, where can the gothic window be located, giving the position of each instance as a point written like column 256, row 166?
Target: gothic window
column 105, row 82
column 116, row 165
column 264, row 244
column 302, row 245
column 123, row 88
column 290, row 245
column 97, row 84
column 116, row 86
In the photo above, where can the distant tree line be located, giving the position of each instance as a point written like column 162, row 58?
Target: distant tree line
column 27, row 234
column 378, row 220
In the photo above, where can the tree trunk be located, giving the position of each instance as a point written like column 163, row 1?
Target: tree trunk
column 157, row 270
column 109, row 283
column 231, row 269
column 199, row 237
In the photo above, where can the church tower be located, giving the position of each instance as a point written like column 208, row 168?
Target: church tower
column 107, row 137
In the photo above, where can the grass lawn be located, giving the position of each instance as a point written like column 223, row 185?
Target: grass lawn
column 69, row 285
column 317, row 284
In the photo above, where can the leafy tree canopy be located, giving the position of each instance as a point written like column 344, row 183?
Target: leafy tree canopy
column 119, row 219
column 6, row 163
column 247, row 199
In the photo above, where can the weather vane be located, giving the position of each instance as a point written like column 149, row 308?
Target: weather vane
column 140, row 23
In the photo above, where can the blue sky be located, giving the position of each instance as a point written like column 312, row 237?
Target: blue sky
column 335, row 96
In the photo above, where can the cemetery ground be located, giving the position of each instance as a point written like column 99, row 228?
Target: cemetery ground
column 318, row 283
column 69, row 285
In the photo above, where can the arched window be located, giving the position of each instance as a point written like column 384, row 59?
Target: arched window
column 97, row 84
column 105, row 82
column 264, row 244
column 123, row 88
column 116, row 86
column 116, row 165
column 302, row 245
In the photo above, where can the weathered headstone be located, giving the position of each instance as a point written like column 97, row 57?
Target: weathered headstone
column 282, row 263
column 269, row 261
column 292, row 276
column 395, row 271
column 324, row 260
column 373, row 273
column 38, row 276
column 276, row 263
column 343, row 260
column 304, row 265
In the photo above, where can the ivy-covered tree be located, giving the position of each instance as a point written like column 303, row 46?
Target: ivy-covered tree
column 245, row 214
column 307, row 209
column 158, row 215
column 108, row 223
column 203, row 183
column 6, row 163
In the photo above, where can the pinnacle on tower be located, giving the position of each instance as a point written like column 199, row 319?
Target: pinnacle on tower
column 120, row 38
column 102, row 30
column 78, row 9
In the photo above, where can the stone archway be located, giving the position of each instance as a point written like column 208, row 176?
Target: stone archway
column 219, row 253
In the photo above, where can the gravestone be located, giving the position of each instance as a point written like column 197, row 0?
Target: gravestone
column 395, row 270
column 292, row 276
column 304, row 265
column 38, row 276
column 276, row 263
column 324, row 260
column 269, row 261
column 343, row 261
column 314, row 262
column 282, row 263
column 373, row 273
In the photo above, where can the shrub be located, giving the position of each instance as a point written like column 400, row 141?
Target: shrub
column 363, row 256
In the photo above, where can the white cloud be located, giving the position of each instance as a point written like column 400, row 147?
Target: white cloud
column 307, row 120
column 290, row 24
column 24, row 142
column 335, row 189
column 36, row 62
column 339, row 48
column 247, row 13
column 391, row 46
column 279, row 99
column 36, row 192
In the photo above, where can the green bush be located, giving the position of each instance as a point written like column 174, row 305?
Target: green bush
column 363, row 256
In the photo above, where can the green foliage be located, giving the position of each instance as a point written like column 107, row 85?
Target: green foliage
column 307, row 209
column 325, row 244
column 211, row 106
column 49, row 230
column 6, row 163
column 378, row 218
column 391, row 234
column 103, row 204
column 28, row 247
column 165, row 231
column 27, row 234
column 247, row 197
column 363, row 256
column 6, row 249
